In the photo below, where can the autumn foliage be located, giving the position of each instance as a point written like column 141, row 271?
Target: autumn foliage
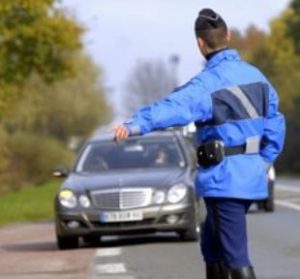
column 50, row 90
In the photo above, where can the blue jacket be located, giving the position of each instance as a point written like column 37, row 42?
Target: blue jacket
column 232, row 101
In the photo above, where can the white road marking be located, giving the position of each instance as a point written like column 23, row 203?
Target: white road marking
column 108, row 252
column 288, row 204
column 291, row 200
column 282, row 187
column 111, row 268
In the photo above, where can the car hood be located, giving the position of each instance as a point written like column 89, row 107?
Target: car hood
column 129, row 178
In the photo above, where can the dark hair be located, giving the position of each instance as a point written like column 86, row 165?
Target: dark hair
column 212, row 28
column 214, row 38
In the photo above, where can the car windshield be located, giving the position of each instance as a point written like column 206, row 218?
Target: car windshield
column 130, row 154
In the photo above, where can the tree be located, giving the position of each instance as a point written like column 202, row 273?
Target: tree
column 148, row 82
column 50, row 91
column 293, row 24
column 63, row 109
column 36, row 36
column 284, row 61
column 247, row 43
column 45, row 119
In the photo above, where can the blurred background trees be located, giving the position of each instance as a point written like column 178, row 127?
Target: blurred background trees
column 150, row 81
column 50, row 90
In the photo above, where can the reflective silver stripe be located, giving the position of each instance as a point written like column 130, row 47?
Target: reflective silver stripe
column 237, row 92
column 135, row 130
column 252, row 145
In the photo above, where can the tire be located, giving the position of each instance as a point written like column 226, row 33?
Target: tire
column 260, row 205
column 65, row 243
column 268, row 204
column 193, row 232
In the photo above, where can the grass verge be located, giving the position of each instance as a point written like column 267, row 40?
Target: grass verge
column 28, row 204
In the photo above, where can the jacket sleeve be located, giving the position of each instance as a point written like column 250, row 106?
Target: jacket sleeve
column 185, row 104
column 274, row 129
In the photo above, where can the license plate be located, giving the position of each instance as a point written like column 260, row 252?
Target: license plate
column 121, row 216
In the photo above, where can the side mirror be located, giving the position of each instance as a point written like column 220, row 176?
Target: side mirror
column 60, row 172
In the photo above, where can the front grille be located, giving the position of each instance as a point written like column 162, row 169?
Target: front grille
column 127, row 198
column 123, row 224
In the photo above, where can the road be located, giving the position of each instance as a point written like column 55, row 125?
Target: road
column 29, row 250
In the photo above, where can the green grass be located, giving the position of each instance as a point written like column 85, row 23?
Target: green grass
column 28, row 204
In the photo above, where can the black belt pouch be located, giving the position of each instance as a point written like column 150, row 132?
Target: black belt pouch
column 210, row 153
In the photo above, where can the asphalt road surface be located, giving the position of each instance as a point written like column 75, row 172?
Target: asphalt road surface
column 29, row 250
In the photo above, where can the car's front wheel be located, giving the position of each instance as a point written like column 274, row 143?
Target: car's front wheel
column 193, row 232
column 64, row 242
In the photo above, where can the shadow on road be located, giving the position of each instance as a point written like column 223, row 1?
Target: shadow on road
column 130, row 240
column 105, row 242
column 30, row 247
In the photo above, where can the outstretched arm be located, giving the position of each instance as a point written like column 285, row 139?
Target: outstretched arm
column 186, row 104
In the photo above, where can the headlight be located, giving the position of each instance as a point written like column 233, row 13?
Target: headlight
column 159, row 197
column 67, row 199
column 84, row 201
column 177, row 193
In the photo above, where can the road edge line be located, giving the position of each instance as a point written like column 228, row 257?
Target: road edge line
column 288, row 205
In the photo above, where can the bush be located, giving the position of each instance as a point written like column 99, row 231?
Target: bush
column 4, row 176
column 33, row 157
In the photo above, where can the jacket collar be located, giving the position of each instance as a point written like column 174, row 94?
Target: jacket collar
column 212, row 54
column 226, row 54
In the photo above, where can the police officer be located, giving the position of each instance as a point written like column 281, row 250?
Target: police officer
column 240, row 133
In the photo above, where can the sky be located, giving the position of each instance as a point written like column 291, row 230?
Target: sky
column 121, row 32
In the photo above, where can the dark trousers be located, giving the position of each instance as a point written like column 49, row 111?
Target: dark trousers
column 224, row 233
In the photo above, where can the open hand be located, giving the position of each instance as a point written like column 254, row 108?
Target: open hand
column 120, row 132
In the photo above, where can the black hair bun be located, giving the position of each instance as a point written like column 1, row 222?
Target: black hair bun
column 209, row 19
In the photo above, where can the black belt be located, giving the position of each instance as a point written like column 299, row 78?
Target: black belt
column 213, row 152
column 235, row 150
